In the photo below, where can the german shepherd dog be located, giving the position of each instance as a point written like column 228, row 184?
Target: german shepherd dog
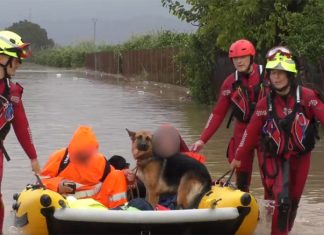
column 180, row 174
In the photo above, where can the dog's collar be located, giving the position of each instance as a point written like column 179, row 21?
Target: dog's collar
column 141, row 162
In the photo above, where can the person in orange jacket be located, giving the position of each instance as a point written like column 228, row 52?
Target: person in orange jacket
column 80, row 170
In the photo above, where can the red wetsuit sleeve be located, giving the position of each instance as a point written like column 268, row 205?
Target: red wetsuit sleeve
column 21, row 128
column 315, row 104
column 319, row 112
column 183, row 145
column 252, row 132
column 219, row 111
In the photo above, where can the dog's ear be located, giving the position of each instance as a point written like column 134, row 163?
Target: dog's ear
column 131, row 134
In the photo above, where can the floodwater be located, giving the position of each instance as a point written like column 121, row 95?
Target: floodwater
column 57, row 102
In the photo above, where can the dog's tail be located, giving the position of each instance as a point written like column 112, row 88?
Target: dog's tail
column 192, row 188
column 206, row 182
column 206, row 187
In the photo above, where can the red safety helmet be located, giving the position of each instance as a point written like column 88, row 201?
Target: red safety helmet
column 241, row 47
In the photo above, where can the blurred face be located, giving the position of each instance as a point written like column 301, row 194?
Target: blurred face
column 279, row 79
column 84, row 156
column 166, row 142
column 11, row 68
column 242, row 64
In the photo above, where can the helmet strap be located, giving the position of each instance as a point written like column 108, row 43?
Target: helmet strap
column 5, row 70
column 250, row 65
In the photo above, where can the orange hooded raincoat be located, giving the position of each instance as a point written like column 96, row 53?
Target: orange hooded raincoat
column 94, row 179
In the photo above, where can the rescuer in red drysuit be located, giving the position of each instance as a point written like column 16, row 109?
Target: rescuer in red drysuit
column 241, row 90
column 285, row 124
column 12, row 51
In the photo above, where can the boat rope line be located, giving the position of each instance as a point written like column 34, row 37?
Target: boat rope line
column 135, row 169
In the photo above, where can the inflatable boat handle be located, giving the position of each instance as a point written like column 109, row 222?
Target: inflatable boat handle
column 39, row 181
column 230, row 172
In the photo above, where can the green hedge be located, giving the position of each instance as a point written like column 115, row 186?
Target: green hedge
column 74, row 56
column 69, row 57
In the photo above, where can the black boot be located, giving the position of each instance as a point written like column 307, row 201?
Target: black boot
column 243, row 181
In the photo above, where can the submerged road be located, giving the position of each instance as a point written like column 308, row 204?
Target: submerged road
column 57, row 102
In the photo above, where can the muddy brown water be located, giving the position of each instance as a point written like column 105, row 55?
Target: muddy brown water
column 58, row 101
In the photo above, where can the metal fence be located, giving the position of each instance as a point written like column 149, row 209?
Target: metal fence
column 153, row 64
column 107, row 62
column 160, row 65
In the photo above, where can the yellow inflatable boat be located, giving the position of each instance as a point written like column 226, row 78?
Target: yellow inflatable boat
column 223, row 210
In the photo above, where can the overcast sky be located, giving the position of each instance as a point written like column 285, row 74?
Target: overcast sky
column 68, row 21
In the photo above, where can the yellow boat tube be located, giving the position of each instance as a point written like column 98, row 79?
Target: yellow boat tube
column 226, row 196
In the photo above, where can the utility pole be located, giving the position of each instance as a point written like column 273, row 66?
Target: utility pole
column 29, row 14
column 94, row 21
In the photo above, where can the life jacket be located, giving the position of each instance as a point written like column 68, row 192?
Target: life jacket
column 83, row 191
column 7, row 112
column 296, row 133
column 6, row 116
column 242, row 105
column 199, row 157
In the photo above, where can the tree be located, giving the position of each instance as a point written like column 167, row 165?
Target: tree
column 265, row 22
column 33, row 33
column 296, row 23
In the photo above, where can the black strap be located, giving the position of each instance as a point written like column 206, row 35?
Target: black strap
column 272, row 108
column 230, row 119
column 289, row 118
column 106, row 171
column 285, row 173
column 6, row 92
column 284, row 197
column 237, row 83
column 64, row 162
column 4, row 151
column 257, row 88
column 228, row 181
column 39, row 181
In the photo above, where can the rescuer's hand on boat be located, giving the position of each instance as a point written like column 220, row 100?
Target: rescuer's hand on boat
column 235, row 164
column 35, row 166
column 197, row 146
